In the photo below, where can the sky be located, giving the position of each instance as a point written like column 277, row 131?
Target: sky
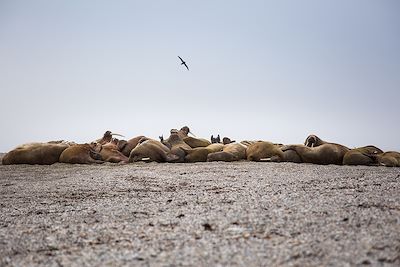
column 259, row 70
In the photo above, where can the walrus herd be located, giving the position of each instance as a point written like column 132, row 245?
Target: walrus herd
column 180, row 147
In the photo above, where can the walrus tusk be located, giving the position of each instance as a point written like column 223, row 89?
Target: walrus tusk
column 145, row 159
column 266, row 159
column 117, row 134
column 312, row 144
column 191, row 133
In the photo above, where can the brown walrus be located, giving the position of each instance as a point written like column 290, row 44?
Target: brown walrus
column 389, row 159
column 35, row 153
column 194, row 142
column 184, row 132
column 362, row 156
column 82, row 154
column 109, row 152
column 230, row 152
column 176, row 144
column 107, row 137
column 129, row 145
column 317, row 151
column 199, row 154
column 149, row 150
column 264, row 151
column 323, row 154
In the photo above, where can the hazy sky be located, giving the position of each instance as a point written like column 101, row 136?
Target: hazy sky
column 271, row 70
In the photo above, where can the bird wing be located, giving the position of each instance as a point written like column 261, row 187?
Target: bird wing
column 181, row 59
column 186, row 66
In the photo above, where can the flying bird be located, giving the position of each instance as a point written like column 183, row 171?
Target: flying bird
column 183, row 63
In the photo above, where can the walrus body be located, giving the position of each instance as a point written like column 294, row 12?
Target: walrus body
column 194, row 142
column 200, row 154
column 362, row 156
column 389, row 159
column 35, row 153
column 230, row 152
column 150, row 150
column 177, row 146
column 290, row 156
column 262, row 150
column 249, row 142
column 130, row 144
column 323, row 154
column 81, row 154
column 111, row 154
column 317, row 151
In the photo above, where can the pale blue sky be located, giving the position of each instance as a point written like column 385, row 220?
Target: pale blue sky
column 271, row 70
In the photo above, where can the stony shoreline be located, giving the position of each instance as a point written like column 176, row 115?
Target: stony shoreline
column 240, row 213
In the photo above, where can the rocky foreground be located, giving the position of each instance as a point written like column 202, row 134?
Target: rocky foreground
column 203, row 214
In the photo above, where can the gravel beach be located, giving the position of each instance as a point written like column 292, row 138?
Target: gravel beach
column 203, row 214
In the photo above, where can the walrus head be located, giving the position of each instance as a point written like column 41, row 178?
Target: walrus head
column 313, row 140
column 185, row 131
column 121, row 144
column 174, row 136
column 108, row 136
column 227, row 140
column 95, row 147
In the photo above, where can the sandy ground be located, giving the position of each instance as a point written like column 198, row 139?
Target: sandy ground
column 203, row 214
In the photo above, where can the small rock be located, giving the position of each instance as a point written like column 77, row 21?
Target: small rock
column 208, row 227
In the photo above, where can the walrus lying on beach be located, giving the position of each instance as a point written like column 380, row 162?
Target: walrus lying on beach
column 317, row 151
column 150, row 150
column 362, row 156
column 82, row 154
column 199, row 154
column 230, row 152
column 264, row 151
column 194, row 142
column 109, row 152
column 35, row 153
column 389, row 159
column 322, row 154
column 176, row 145
column 129, row 145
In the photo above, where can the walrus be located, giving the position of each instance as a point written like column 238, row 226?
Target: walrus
column 289, row 156
column 362, row 156
column 230, row 152
column 176, row 145
column 317, row 151
column 107, row 137
column 312, row 141
column 388, row 159
column 151, row 150
column 129, row 145
column 109, row 152
column 199, row 154
column 227, row 140
column 82, row 154
column 184, row 132
column 323, row 154
column 194, row 142
column 264, row 151
column 35, row 153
